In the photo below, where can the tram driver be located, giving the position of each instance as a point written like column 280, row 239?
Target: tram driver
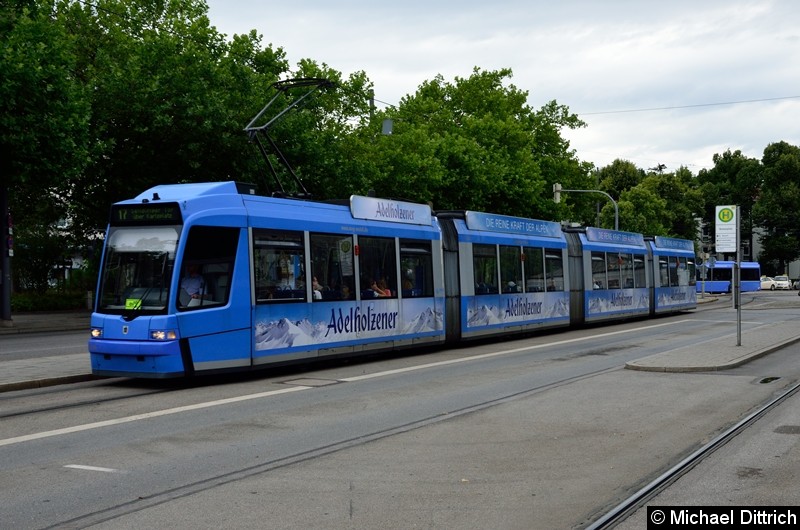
column 192, row 285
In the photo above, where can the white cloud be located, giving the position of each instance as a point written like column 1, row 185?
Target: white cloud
column 591, row 56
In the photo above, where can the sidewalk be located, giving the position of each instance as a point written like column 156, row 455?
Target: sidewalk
column 715, row 354
column 41, row 322
column 21, row 374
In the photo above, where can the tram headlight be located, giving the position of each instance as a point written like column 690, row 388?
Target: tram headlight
column 96, row 333
column 163, row 334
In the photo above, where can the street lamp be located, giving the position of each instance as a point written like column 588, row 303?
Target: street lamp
column 557, row 189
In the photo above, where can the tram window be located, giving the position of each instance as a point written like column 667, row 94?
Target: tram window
column 639, row 272
column 613, row 270
column 684, row 274
column 377, row 262
column 210, row 253
column 663, row 271
column 333, row 266
column 534, row 270
column 511, row 269
column 599, row 279
column 691, row 272
column 416, row 268
column 554, row 270
column 279, row 258
column 484, row 265
column 674, row 269
column 748, row 274
column 625, row 262
column 724, row 275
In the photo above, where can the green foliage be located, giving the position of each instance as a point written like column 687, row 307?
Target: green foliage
column 734, row 179
column 102, row 100
column 44, row 110
column 619, row 176
column 51, row 300
column 777, row 205
column 654, row 203
column 471, row 144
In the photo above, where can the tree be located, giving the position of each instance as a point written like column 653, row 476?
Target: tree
column 472, row 144
column 684, row 203
column 619, row 176
column 734, row 180
column 170, row 99
column 44, row 113
column 639, row 211
column 777, row 204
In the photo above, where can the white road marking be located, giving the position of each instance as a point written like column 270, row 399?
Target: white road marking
column 94, row 468
column 504, row 352
column 147, row 415
column 209, row 404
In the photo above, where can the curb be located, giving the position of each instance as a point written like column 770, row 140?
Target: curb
column 50, row 381
column 727, row 366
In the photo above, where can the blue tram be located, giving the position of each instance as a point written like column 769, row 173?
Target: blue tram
column 204, row 278
column 719, row 277
column 503, row 274
column 674, row 274
column 609, row 275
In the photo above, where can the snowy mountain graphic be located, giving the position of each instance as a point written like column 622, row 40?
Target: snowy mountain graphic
column 284, row 334
column 559, row 309
column 428, row 320
column 483, row 316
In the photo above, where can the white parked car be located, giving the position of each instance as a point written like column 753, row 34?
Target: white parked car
column 767, row 283
column 778, row 282
column 783, row 282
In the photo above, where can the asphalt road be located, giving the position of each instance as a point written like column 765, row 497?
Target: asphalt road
column 547, row 432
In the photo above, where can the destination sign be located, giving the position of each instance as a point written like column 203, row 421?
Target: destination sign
column 602, row 235
column 512, row 225
column 146, row 214
column 375, row 209
column 673, row 243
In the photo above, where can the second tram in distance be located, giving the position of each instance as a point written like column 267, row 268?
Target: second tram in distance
column 204, row 278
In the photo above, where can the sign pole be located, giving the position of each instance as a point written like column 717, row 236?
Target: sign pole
column 738, row 278
column 727, row 241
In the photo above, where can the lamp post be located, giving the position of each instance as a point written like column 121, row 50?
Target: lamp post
column 557, row 189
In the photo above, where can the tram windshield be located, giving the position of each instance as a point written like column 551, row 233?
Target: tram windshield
column 137, row 269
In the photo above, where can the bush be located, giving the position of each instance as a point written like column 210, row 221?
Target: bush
column 48, row 301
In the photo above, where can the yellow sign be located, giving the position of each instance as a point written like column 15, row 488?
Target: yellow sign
column 726, row 215
column 133, row 303
column 725, row 231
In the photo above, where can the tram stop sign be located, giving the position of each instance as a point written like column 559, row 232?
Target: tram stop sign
column 725, row 231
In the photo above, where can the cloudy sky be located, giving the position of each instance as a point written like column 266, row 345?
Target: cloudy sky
column 658, row 82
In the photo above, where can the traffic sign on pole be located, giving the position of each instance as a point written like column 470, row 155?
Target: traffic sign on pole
column 725, row 229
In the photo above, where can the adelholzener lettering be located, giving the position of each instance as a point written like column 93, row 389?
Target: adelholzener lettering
column 522, row 307
column 393, row 211
column 356, row 321
column 621, row 300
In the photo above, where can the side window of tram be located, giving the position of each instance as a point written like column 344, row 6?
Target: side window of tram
column 625, row 263
column 208, row 266
column 639, row 271
column 279, row 259
column 599, row 279
column 534, row 270
column 511, row 269
column 554, row 270
column 691, row 273
column 416, row 268
column 377, row 260
column 332, row 267
column 484, row 266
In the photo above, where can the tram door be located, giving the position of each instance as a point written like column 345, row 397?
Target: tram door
column 452, row 280
column 215, row 321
